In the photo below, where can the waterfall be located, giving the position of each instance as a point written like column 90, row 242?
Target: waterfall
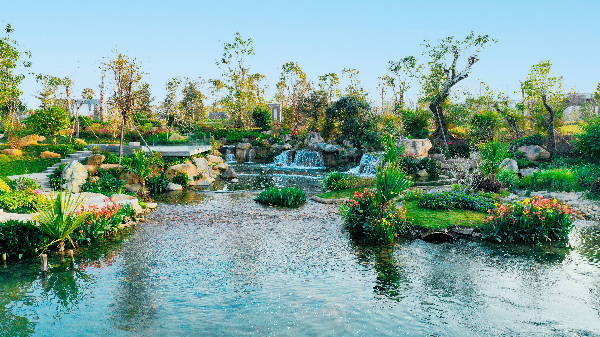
column 299, row 159
column 230, row 156
column 251, row 156
column 367, row 166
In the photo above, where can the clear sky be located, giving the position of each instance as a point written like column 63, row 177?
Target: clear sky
column 185, row 37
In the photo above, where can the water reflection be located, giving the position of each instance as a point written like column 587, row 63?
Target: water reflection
column 391, row 281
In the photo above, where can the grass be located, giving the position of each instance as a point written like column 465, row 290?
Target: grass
column 440, row 219
column 340, row 194
column 570, row 129
column 29, row 162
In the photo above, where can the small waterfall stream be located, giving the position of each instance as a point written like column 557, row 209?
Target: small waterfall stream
column 367, row 166
column 299, row 159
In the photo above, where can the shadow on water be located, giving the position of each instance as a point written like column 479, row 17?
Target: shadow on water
column 184, row 197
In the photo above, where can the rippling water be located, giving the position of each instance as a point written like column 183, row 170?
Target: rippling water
column 220, row 264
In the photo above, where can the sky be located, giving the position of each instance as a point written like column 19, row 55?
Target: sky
column 185, row 37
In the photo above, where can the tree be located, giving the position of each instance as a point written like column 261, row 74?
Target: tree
column 127, row 79
column 546, row 91
column 245, row 90
column 330, row 83
column 48, row 121
column 398, row 81
column 192, row 102
column 314, row 106
column 49, row 94
column 354, row 87
column 292, row 89
column 355, row 120
column 441, row 74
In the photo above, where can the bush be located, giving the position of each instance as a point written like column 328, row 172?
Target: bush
column 585, row 175
column 108, row 183
column 412, row 165
column 508, row 178
column 492, row 154
column 416, row 123
column 560, row 179
column 535, row 139
column 284, row 197
column 18, row 238
column 102, row 222
column 485, row 125
column 462, row 199
column 181, row 179
column 533, row 221
column 48, row 121
column 22, row 201
column 55, row 178
column 261, row 116
column 110, row 157
column 22, row 183
column 337, row 181
column 588, row 142
column 4, row 187
column 157, row 184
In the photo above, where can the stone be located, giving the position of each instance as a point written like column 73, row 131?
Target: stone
column 439, row 157
column 221, row 166
column 534, row 152
column 214, row 159
column 325, row 147
column 133, row 187
column 174, row 187
column 130, row 178
column 244, row 146
column 422, row 173
column 528, row 171
column 229, row 174
column 242, row 152
column 92, row 169
column 286, row 138
column 509, row 164
column 203, row 183
column 29, row 140
column 347, row 143
column 175, row 138
column 12, row 152
column 314, row 137
column 124, row 199
column 48, row 154
column 96, row 159
column 80, row 141
column 41, row 138
column 187, row 168
column 75, row 175
column 109, row 166
column 415, row 147
column 201, row 164
column 151, row 205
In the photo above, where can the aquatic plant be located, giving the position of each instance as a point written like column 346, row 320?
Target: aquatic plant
column 284, row 197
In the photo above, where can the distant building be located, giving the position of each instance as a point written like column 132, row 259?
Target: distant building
column 217, row 115
column 275, row 112
column 87, row 107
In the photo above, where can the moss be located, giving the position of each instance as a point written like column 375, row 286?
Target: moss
column 439, row 219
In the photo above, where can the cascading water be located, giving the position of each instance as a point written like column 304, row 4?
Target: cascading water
column 299, row 159
column 230, row 156
column 367, row 166
column 251, row 156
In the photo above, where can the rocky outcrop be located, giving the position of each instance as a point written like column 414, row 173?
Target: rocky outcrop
column 48, row 154
column 313, row 137
column 75, row 175
column 509, row 164
column 534, row 152
column 96, row 159
column 242, row 152
column 177, row 138
column 415, row 147
column 188, row 168
column 124, row 199
column 528, row 171
column 229, row 173
column 325, row 147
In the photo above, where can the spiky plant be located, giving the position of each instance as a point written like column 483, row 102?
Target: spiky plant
column 61, row 218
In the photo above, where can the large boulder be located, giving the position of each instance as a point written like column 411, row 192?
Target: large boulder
column 130, row 178
column 48, row 154
column 242, row 152
column 201, row 164
column 12, row 152
column 325, row 147
column 188, row 168
column 109, row 166
column 96, row 159
column 509, row 164
column 75, row 175
column 534, row 152
column 229, row 174
column 29, row 140
column 174, row 187
column 177, row 138
column 415, row 147
column 314, row 137
column 124, row 199
column 213, row 159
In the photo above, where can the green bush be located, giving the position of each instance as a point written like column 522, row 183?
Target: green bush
column 48, row 121
column 337, row 181
column 22, row 201
column 261, row 116
column 492, row 154
column 508, row 178
column 18, row 238
column 416, row 123
column 102, row 222
column 588, row 142
column 4, row 186
column 462, row 199
column 22, row 183
column 560, row 179
column 284, row 197
column 485, row 125
column 55, row 178
column 586, row 174
column 535, row 139
column 533, row 221
column 181, row 179
column 110, row 157
column 412, row 165
column 108, row 183
column 157, row 184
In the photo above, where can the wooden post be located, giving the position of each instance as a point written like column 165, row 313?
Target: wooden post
column 44, row 260
column 70, row 252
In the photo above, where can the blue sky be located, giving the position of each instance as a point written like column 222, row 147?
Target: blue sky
column 184, row 37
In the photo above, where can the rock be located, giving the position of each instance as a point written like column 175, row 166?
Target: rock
column 242, row 152
column 92, row 169
column 214, row 159
column 528, row 171
column 175, row 137
column 94, row 179
column 188, row 168
column 151, row 205
column 475, row 156
column 463, row 230
column 80, row 141
column 96, row 159
column 325, row 147
column 244, row 146
column 75, row 175
column 48, row 154
column 124, row 199
column 29, row 140
column 174, row 187
column 439, row 157
column 203, row 183
column 221, row 166
column 415, row 147
column 109, row 166
column 130, row 177
column 534, row 152
column 229, row 174
column 12, row 152
column 286, row 138
column 201, row 164
column 422, row 173
column 314, row 137
column 281, row 147
column 347, row 143
column 509, row 164
column 133, row 187
column 41, row 138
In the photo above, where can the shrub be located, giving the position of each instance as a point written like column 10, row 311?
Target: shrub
column 485, row 125
column 22, row 183
column 22, row 201
column 534, row 221
column 413, row 194
column 261, row 116
column 108, row 183
column 337, row 181
column 416, row 123
column 62, row 217
column 101, row 222
column 535, row 139
column 492, row 154
column 18, row 238
column 110, row 158
column 157, row 184
column 4, row 187
column 508, row 178
column 181, row 179
column 588, row 141
column 285, row 197
column 462, row 199
column 55, row 178
column 585, row 175
column 560, row 179
column 48, row 121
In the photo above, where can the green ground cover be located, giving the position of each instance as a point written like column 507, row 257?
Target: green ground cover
column 29, row 162
column 440, row 219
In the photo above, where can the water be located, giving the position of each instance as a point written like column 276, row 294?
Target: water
column 299, row 159
column 230, row 156
column 223, row 265
column 367, row 166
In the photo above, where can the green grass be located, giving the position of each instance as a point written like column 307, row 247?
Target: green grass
column 340, row 194
column 440, row 219
column 29, row 162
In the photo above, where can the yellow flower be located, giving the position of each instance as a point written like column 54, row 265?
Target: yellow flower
column 526, row 201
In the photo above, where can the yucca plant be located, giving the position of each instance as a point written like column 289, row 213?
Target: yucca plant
column 61, row 218
column 140, row 165
column 391, row 181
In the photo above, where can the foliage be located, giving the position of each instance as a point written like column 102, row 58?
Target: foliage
column 261, row 116
column 23, row 183
column 107, row 183
column 462, row 199
column 157, row 184
column 508, row 178
column 110, row 157
column 101, row 222
column 485, row 125
column 4, row 187
column 492, row 155
column 22, row 201
column 337, row 181
column 55, row 178
column 48, row 121
column 588, row 141
column 284, row 197
column 440, row 219
column 412, row 165
column 356, row 122
column 535, row 139
column 559, row 179
column 416, row 123
column 20, row 238
column 181, row 179
column 61, row 218
column 140, row 165
column 537, row 220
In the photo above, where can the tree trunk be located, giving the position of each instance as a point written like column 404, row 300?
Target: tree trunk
column 122, row 139
column 102, row 100
column 551, row 126
column 441, row 131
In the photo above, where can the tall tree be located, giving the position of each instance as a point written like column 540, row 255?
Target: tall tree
column 127, row 79
column 398, row 79
column 293, row 87
column 330, row 83
column 192, row 101
column 354, row 87
column 547, row 92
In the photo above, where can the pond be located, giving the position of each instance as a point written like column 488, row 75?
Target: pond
column 220, row 264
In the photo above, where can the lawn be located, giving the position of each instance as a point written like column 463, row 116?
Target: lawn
column 440, row 219
column 29, row 162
